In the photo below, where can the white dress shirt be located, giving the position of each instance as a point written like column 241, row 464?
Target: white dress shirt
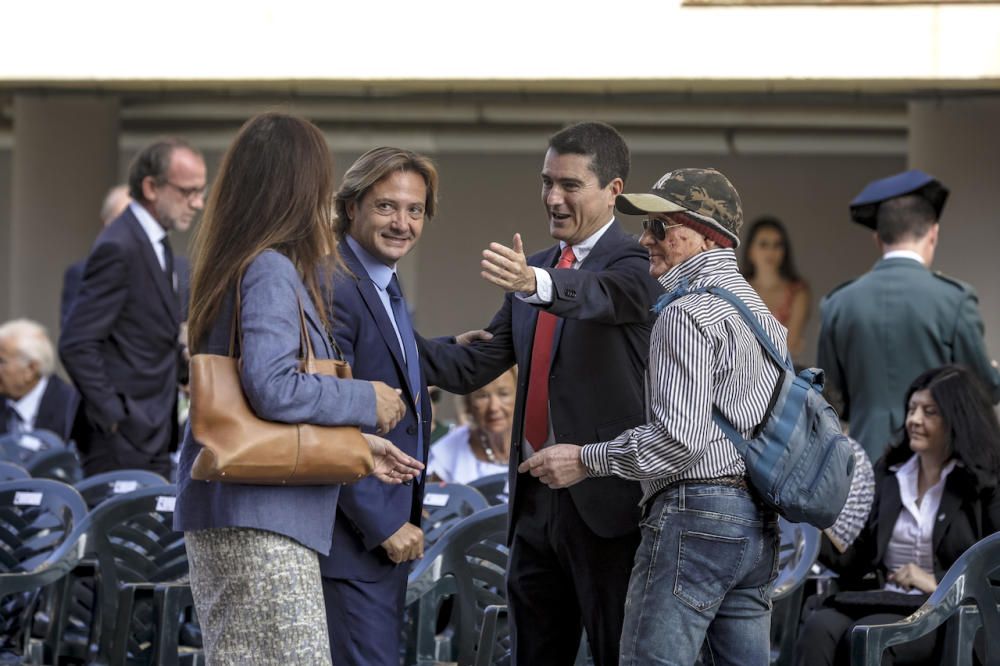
column 904, row 254
column 27, row 406
column 912, row 536
column 153, row 230
column 543, row 281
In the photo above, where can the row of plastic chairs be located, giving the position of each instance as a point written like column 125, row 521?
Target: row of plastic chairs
column 41, row 453
column 90, row 573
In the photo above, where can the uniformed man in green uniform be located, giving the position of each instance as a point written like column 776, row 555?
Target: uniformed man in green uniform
column 883, row 329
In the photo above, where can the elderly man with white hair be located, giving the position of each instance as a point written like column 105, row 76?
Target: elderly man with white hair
column 33, row 397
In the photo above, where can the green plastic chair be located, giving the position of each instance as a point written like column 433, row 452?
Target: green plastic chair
column 12, row 472
column 493, row 487
column 798, row 552
column 445, row 504
column 42, row 524
column 965, row 600
column 467, row 565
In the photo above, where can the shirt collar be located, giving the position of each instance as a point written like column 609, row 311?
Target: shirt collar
column 698, row 266
column 583, row 248
column 379, row 273
column 27, row 406
column 149, row 225
column 904, row 254
column 911, row 468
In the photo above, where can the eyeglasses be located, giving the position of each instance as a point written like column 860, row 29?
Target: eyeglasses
column 189, row 192
column 658, row 228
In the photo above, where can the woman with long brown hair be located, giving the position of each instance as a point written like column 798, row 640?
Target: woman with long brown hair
column 253, row 549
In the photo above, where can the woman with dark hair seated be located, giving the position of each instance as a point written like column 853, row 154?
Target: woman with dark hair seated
column 935, row 496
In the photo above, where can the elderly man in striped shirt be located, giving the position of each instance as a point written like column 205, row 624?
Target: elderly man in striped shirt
column 709, row 549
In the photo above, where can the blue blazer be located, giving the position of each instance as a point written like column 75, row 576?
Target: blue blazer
column 600, row 351
column 370, row 511
column 277, row 392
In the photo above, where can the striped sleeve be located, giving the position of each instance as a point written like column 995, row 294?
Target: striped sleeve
column 680, row 407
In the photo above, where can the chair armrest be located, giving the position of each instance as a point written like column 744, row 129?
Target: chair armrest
column 169, row 600
column 488, row 634
column 868, row 642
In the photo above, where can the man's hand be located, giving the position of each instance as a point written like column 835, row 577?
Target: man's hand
column 392, row 465
column 406, row 544
column 557, row 466
column 507, row 268
column 389, row 407
column 469, row 337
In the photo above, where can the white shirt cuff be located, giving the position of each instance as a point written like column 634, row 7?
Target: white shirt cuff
column 543, row 288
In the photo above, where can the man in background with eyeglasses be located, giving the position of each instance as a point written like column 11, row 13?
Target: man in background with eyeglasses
column 120, row 341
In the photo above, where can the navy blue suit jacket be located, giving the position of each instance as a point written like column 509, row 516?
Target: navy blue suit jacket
column 56, row 410
column 370, row 511
column 71, row 287
column 119, row 343
column 276, row 391
column 600, row 352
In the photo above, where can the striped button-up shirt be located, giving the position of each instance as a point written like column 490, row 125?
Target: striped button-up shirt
column 701, row 353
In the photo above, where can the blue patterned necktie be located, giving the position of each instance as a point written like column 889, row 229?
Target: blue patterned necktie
column 402, row 317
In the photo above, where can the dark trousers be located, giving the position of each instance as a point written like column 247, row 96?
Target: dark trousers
column 564, row 578
column 365, row 619
column 825, row 640
column 109, row 452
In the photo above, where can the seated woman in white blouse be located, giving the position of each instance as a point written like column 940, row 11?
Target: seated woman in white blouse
column 935, row 496
column 482, row 448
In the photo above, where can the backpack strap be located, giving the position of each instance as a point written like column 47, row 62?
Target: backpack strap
column 682, row 289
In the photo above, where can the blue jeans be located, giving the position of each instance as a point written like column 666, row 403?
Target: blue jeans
column 701, row 578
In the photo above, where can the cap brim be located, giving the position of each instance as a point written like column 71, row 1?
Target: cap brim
column 640, row 204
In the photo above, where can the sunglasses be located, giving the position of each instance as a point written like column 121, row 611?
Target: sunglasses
column 658, row 228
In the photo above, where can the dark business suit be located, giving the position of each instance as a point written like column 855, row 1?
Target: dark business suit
column 572, row 549
column 71, row 287
column 966, row 515
column 119, row 345
column 884, row 329
column 56, row 410
column 364, row 589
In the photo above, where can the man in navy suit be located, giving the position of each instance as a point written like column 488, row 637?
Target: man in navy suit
column 576, row 319
column 33, row 397
column 114, row 204
column 120, row 341
column 383, row 203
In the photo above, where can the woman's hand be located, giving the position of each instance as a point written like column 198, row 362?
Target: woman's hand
column 389, row 407
column 392, row 465
column 910, row 576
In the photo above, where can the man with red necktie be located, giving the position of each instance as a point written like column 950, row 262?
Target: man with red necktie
column 576, row 319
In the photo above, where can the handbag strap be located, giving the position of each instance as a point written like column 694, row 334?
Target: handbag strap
column 305, row 340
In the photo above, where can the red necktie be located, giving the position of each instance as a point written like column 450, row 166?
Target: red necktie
column 536, row 421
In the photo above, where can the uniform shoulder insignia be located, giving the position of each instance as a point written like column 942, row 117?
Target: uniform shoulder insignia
column 964, row 286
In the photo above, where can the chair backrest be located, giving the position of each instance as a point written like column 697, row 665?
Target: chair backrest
column 41, row 524
column 56, row 464
column 98, row 488
column 12, row 471
column 444, row 505
column 23, row 447
column 468, row 564
column 134, row 542
column 800, row 544
column 493, row 487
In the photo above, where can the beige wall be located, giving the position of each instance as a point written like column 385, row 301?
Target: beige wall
column 959, row 142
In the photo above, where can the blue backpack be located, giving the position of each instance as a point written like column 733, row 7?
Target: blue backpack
column 798, row 461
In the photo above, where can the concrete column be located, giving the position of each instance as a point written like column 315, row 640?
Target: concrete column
column 958, row 141
column 65, row 157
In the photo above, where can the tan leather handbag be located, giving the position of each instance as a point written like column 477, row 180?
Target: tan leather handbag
column 240, row 447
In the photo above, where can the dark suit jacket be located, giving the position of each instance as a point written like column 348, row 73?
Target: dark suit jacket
column 600, row 352
column 71, row 287
column 370, row 511
column 881, row 331
column 119, row 344
column 966, row 515
column 56, row 410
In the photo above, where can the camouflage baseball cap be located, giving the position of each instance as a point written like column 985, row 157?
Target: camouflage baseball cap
column 705, row 194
